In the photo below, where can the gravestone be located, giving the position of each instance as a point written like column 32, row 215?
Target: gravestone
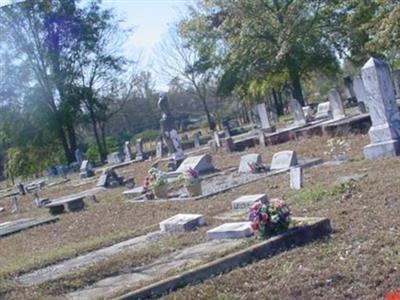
column 246, row 161
column 14, row 205
column 184, row 137
column 236, row 230
column 229, row 144
column 78, row 156
column 213, row 146
column 396, row 82
column 196, row 139
column 86, row 170
column 217, row 139
column 199, row 163
column 261, row 139
column 139, row 150
column 336, row 104
column 283, row 160
column 274, row 114
column 348, row 82
column 297, row 112
column 361, row 94
column 308, row 112
column 264, row 119
column 244, row 202
column 324, row 111
column 159, row 149
column 385, row 131
column 114, row 158
column 182, row 222
column 127, row 151
column 296, row 178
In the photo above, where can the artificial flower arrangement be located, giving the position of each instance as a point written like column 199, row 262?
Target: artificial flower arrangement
column 270, row 219
column 157, row 183
column 191, row 181
column 337, row 148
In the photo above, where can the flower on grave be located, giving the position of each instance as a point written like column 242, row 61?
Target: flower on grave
column 189, row 177
column 337, row 147
column 157, row 177
column 269, row 219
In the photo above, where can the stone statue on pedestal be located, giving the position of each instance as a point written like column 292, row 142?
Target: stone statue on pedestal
column 169, row 132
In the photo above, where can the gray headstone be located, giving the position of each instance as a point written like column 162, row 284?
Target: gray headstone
column 85, row 166
column 114, row 158
column 263, row 115
column 139, row 149
column 308, row 112
column 385, row 131
column 196, row 140
column 213, row 146
column 182, row 222
column 298, row 114
column 14, row 205
column 246, row 160
column 348, row 82
column 361, row 94
column 261, row 139
column 396, row 82
column 246, row 201
column 324, row 111
column 336, row 104
column 236, row 230
column 296, row 178
column 283, row 160
column 127, row 151
column 159, row 149
column 200, row 163
column 102, row 182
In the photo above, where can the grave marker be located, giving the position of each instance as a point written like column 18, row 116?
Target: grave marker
column 86, row 170
column 247, row 160
column 196, row 140
column 139, row 150
column 127, row 151
column 385, row 131
column 236, row 230
column 199, row 163
column 283, row 160
column 324, row 111
column 361, row 94
column 182, row 222
column 296, row 178
column 244, row 202
column 263, row 116
column 114, row 158
column 297, row 112
column 159, row 149
column 14, row 205
column 336, row 104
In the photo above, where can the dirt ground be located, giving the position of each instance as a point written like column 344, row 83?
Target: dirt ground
column 359, row 260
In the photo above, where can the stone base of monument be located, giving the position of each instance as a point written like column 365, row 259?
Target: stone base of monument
column 384, row 149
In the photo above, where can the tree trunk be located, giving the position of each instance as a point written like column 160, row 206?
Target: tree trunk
column 295, row 81
column 67, row 151
column 71, row 138
column 103, row 140
column 95, row 131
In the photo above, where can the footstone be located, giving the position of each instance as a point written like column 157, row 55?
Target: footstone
column 246, row 201
column 323, row 111
column 231, row 231
column 283, row 160
column 296, row 178
column 336, row 104
column 385, row 131
column 182, row 222
column 200, row 163
column 297, row 112
column 247, row 160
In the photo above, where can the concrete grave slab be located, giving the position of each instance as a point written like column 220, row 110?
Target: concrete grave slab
column 182, row 222
column 9, row 228
column 246, row 160
column 283, row 160
column 244, row 202
column 236, row 230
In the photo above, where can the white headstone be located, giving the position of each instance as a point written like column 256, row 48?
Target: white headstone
column 336, row 104
column 231, row 231
column 196, row 140
column 385, row 131
column 127, row 151
column 216, row 138
column 85, row 166
column 247, row 160
column 283, row 160
column 246, row 201
column 298, row 114
column 200, row 163
column 261, row 138
column 263, row 115
column 296, row 178
column 102, row 182
column 323, row 110
column 139, row 149
column 159, row 149
column 14, row 205
column 182, row 222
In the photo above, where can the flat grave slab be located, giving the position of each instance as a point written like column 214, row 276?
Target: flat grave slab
column 9, row 228
column 71, row 265
column 182, row 222
column 237, row 230
column 244, row 202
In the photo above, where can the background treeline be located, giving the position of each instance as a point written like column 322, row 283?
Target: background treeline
column 65, row 83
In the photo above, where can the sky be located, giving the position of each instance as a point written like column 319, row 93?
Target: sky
column 150, row 20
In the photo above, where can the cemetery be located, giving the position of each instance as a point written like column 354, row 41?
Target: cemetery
column 265, row 194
